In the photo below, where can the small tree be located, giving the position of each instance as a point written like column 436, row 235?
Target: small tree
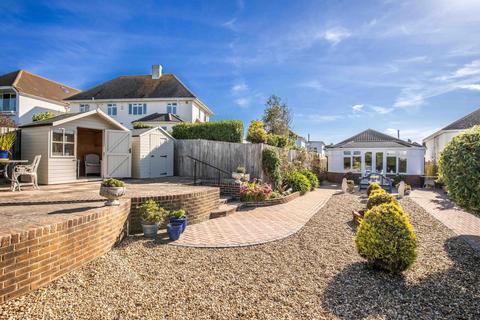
column 7, row 122
column 271, row 164
column 277, row 117
column 43, row 116
column 256, row 132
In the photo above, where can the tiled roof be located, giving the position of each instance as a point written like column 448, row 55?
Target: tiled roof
column 137, row 87
column 160, row 117
column 466, row 122
column 29, row 83
column 373, row 139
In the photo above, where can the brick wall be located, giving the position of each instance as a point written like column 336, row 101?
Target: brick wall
column 37, row 256
column 228, row 187
column 272, row 202
column 413, row 180
column 198, row 204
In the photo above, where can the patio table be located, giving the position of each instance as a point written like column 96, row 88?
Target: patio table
column 7, row 163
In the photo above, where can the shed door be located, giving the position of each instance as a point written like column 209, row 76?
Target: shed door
column 118, row 154
column 158, row 156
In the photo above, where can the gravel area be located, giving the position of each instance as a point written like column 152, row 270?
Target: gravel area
column 314, row 274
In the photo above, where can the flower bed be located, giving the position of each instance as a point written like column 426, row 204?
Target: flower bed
column 271, row 202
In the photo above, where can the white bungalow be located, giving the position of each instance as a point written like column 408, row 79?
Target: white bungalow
column 373, row 151
column 66, row 141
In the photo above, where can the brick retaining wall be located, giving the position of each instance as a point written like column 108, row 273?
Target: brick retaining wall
column 35, row 257
column 272, row 202
column 198, row 204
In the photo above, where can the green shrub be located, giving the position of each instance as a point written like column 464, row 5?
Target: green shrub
column 272, row 139
column 459, row 168
column 386, row 238
column 110, row 182
column 298, row 182
column 178, row 214
column 43, row 116
column 150, row 212
column 271, row 164
column 377, row 198
column 256, row 132
column 373, row 186
column 431, row 169
column 224, row 130
column 275, row 195
column 141, row 125
column 311, row 177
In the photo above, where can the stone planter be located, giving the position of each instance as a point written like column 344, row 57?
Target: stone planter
column 150, row 229
column 112, row 194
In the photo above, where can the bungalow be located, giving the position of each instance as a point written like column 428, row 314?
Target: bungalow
column 373, row 151
column 436, row 142
column 128, row 99
column 23, row 94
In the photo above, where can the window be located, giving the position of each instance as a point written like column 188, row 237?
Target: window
column 172, row 108
column 8, row 102
column 402, row 162
column 84, row 107
column 137, row 108
column 379, row 161
column 368, row 161
column 63, row 142
column 347, row 160
column 112, row 109
column 357, row 161
column 391, row 162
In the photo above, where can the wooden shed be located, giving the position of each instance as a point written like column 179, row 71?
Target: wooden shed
column 152, row 153
column 65, row 142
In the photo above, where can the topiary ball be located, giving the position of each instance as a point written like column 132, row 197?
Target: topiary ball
column 380, row 197
column 373, row 186
column 386, row 238
column 312, row 177
column 298, row 182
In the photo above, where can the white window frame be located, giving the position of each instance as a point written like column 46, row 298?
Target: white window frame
column 84, row 107
column 112, row 107
column 63, row 142
column 137, row 109
column 172, row 107
column 402, row 155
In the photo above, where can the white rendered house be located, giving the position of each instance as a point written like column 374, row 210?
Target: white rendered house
column 130, row 98
column 373, row 151
column 23, row 94
column 436, row 142
column 316, row 146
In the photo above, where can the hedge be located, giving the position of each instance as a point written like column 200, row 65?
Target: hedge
column 223, row 130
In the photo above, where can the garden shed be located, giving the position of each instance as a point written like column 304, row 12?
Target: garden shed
column 152, row 153
column 78, row 147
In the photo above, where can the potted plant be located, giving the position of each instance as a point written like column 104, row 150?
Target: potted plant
column 240, row 174
column 112, row 189
column 179, row 216
column 174, row 230
column 6, row 143
column 151, row 216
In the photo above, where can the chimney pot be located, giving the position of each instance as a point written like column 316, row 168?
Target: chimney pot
column 156, row 71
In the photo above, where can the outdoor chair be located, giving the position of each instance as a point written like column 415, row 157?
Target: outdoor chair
column 26, row 170
column 382, row 180
column 93, row 165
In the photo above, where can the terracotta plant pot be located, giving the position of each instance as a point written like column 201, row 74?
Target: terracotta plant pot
column 112, row 194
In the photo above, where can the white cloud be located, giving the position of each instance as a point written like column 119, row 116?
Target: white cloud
column 336, row 35
column 243, row 102
column 471, row 69
column 408, row 101
column 239, row 87
column 318, row 118
column 313, row 84
column 474, row 87
column 381, row 110
column 357, row 108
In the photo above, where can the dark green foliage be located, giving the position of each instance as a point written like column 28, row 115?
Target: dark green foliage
column 141, row 125
column 271, row 164
column 386, row 238
column 224, row 130
column 312, row 177
column 298, row 182
column 276, row 140
column 460, row 169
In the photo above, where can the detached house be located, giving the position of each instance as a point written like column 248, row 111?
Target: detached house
column 129, row 99
column 373, row 151
column 436, row 142
column 23, row 94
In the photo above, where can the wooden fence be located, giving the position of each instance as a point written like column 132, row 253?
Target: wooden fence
column 224, row 155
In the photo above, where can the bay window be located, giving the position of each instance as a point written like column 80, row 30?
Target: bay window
column 63, row 142
column 391, row 162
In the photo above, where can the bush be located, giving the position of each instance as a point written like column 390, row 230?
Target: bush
column 275, row 195
column 255, row 191
column 277, row 140
column 271, row 164
column 373, row 186
column 7, row 122
column 256, row 132
column 224, row 130
column 386, row 238
column 150, row 212
column 110, row 182
column 460, row 169
column 43, row 116
column 377, row 198
column 141, row 125
column 311, row 177
column 298, row 182
column 431, row 169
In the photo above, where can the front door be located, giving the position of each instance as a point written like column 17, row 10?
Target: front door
column 117, row 160
column 158, row 157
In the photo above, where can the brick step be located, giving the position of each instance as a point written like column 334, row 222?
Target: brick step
column 224, row 200
column 225, row 209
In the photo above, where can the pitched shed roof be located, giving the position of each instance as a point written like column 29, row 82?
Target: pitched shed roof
column 466, row 122
column 160, row 117
column 137, row 87
column 373, row 139
column 139, row 132
column 29, row 83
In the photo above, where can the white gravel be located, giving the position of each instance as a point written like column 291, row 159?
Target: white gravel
column 315, row 274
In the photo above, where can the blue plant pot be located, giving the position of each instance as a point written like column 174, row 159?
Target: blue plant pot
column 183, row 221
column 3, row 154
column 174, row 230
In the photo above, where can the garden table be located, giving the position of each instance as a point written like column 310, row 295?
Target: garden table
column 7, row 163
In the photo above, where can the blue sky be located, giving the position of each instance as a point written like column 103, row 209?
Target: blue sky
column 342, row 66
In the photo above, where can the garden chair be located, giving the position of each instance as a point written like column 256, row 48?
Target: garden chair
column 93, row 164
column 26, row 170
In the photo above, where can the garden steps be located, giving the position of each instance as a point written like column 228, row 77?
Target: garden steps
column 224, row 200
column 225, row 209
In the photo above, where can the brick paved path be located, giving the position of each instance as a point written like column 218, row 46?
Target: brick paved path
column 256, row 226
column 462, row 223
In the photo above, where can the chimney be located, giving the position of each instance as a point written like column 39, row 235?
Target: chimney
column 398, row 134
column 156, row 71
